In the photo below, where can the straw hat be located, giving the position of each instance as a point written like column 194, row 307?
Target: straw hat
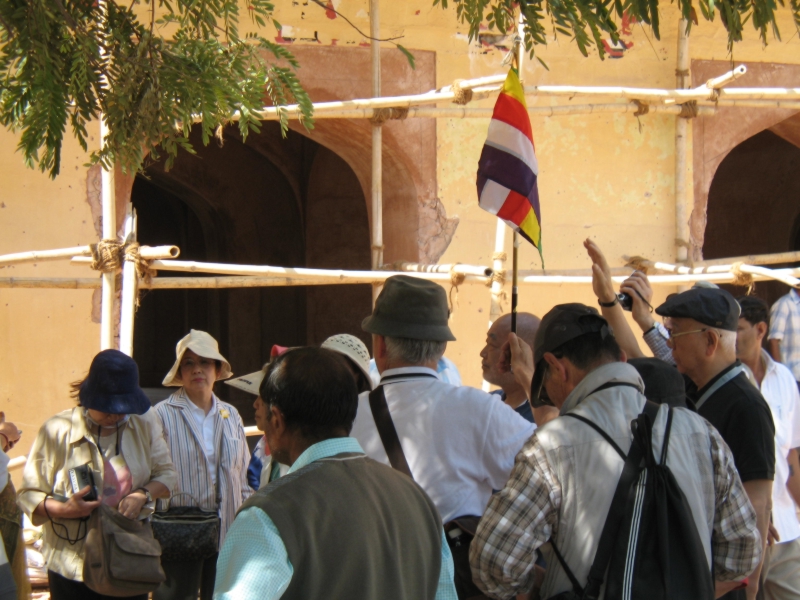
column 251, row 382
column 353, row 348
column 202, row 344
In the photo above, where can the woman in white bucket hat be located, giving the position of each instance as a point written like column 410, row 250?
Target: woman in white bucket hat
column 209, row 449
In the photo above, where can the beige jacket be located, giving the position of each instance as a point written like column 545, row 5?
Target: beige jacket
column 64, row 442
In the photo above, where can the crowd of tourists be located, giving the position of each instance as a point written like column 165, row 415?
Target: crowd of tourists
column 593, row 471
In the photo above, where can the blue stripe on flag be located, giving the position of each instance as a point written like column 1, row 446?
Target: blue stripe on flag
column 506, row 169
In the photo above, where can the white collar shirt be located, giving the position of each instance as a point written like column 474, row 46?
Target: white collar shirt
column 779, row 389
column 459, row 442
column 785, row 326
column 205, row 423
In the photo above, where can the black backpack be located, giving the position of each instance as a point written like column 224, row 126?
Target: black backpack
column 650, row 548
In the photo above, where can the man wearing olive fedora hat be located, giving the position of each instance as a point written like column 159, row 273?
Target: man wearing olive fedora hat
column 458, row 443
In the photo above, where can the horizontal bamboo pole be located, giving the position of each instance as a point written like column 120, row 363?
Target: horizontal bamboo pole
column 84, row 252
column 43, row 255
column 252, row 430
column 755, row 259
column 60, row 283
column 447, row 268
column 726, row 78
column 323, row 276
column 786, row 104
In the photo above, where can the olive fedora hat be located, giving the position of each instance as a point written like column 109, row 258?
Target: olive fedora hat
column 410, row 307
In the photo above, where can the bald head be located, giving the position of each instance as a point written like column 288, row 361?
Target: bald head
column 527, row 325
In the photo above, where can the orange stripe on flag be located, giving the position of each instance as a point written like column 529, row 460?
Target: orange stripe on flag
column 515, row 209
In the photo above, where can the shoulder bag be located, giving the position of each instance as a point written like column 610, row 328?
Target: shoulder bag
column 189, row 533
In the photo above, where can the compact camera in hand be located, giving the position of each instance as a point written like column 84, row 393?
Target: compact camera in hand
column 80, row 477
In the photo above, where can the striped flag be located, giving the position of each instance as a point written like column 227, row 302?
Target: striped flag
column 507, row 170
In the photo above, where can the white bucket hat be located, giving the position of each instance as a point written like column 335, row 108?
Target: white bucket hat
column 353, row 348
column 249, row 383
column 202, row 344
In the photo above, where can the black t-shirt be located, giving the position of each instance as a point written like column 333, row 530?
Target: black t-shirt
column 523, row 410
column 743, row 419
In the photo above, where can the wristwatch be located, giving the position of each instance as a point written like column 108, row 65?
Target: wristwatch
column 147, row 493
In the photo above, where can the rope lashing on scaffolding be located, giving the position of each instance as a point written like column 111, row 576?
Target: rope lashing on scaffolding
column 500, row 256
column 689, row 110
column 462, row 95
column 143, row 270
column 642, row 108
column 456, row 279
column 391, row 113
column 682, row 72
column 742, row 279
column 639, row 263
column 107, row 256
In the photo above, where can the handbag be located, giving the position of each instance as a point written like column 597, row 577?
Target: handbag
column 122, row 558
column 189, row 533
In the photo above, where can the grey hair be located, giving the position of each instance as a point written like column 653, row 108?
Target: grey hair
column 413, row 352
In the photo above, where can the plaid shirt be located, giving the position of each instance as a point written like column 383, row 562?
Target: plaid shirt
column 656, row 340
column 785, row 326
column 525, row 514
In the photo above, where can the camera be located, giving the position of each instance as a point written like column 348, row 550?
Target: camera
column 625, row 301
column 80, row 477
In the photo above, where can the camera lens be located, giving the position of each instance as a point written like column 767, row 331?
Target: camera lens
column 625, row 301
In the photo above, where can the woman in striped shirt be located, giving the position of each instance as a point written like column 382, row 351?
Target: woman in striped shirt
column 209, row 449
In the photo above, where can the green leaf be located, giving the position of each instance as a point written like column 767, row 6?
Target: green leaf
column 408, row 55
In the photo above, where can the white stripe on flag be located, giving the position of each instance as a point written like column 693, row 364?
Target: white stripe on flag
column 510, row 139
column 493, row 196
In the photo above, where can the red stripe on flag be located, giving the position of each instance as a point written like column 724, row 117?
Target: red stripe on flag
column 508, row 110
column 515, row 208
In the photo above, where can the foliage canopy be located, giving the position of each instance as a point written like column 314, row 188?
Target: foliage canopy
column 63, row 62
column 588, row 21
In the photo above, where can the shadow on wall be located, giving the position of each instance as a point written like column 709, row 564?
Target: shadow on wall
column 753, row 204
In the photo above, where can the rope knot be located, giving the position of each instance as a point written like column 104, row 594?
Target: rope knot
column 642, row 108
column 742, row 279
column 462, row 95
column 689, row 110
column 392, row 113
column 638, row 263
column 107, row 256
column 143, row 270
column 456, row 279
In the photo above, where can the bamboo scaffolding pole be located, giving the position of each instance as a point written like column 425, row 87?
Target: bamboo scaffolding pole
column 682, row 233
column 147, row 252
column 109, row 233
column 716, row 274
column 457, row 268
column 755, row 259
column 377, row 143
column 130, row 281
column 17, row 462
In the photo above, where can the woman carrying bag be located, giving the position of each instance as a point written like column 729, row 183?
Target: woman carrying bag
column 111, row 437
column 209, row 448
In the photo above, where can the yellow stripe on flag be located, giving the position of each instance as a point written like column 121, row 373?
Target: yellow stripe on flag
column 530, row 226
column 513, row 87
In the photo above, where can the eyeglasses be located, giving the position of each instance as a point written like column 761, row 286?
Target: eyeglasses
column 672, row 336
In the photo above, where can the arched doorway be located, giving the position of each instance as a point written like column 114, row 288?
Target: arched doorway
column 754, row 204
column 270, row 201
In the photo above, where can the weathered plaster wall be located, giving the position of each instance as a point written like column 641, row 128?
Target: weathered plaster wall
column 608, row 177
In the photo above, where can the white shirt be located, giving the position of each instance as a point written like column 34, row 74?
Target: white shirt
column 459, row 442
column 779, row 389
column 205, row 423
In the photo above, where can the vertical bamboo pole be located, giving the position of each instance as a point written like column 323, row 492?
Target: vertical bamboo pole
column 109, row 233
column 109, row 227
column 129, row 289
column 681, row 151
column 377, row 144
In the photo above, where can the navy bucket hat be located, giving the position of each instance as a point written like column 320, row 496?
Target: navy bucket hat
column 112, row 385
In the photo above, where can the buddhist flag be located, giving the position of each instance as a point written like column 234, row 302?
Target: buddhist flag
column 507, row 170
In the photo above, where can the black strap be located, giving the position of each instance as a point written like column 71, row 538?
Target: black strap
column 576, row 587
column 385, row 425
column 616, row 513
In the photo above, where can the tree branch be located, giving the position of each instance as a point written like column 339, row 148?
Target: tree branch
column 321, row 4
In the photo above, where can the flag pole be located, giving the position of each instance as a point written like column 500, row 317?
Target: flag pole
column 514, row 293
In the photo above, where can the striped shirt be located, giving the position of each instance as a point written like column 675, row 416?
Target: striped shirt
column 185, row 441
column 785, row 326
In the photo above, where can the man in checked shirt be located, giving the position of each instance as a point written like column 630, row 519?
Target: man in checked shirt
column 565, row 476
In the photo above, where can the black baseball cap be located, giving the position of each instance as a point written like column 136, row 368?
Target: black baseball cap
column 563, row 323
column 712, row 307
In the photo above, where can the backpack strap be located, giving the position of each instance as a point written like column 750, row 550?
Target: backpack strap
column 387, row 431
column 616, row 512
column 576, row 587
